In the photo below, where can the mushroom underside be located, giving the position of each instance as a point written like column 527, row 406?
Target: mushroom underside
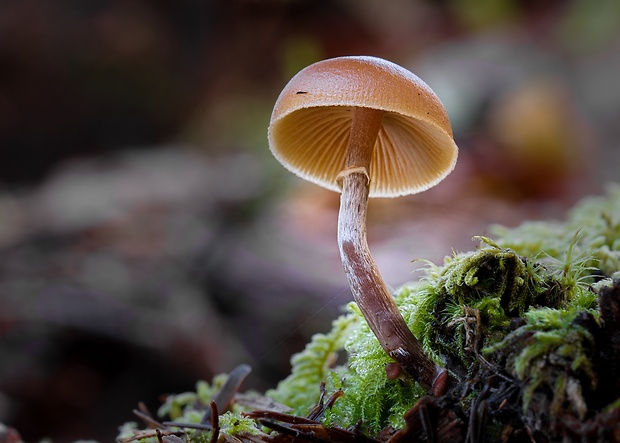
column 410, row 154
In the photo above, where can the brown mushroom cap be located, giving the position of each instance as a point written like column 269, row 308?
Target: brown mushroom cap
column 311, row 122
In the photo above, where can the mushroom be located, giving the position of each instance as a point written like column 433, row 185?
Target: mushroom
column 368, row 128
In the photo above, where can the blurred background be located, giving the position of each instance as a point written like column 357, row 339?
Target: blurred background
column 148, row 238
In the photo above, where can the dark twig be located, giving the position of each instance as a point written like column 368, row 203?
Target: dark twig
column 431, row 419
column 226, row 394
column 280, row 416
column 201, row 426
column 215, row 422
column 150, row 421
column 427, row 425
column 140, row 435
column 316, row 432
column 478, row 412
column 319, row 410
column 292, row 428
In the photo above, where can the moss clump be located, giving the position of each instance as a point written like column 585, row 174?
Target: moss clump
column 528, row 326
column 553, row 352
column 516, row 304
column 470, row 301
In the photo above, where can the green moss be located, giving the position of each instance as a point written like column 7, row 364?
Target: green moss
column 233, row 423
column 300, row 390
column 524, row 302
column 596, row 219
column 468, row 303
column 543, row 272
column 370, row 397
column 177, row 405
column 552, row 352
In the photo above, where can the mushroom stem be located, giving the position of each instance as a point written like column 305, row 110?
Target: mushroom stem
column 367, row 285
